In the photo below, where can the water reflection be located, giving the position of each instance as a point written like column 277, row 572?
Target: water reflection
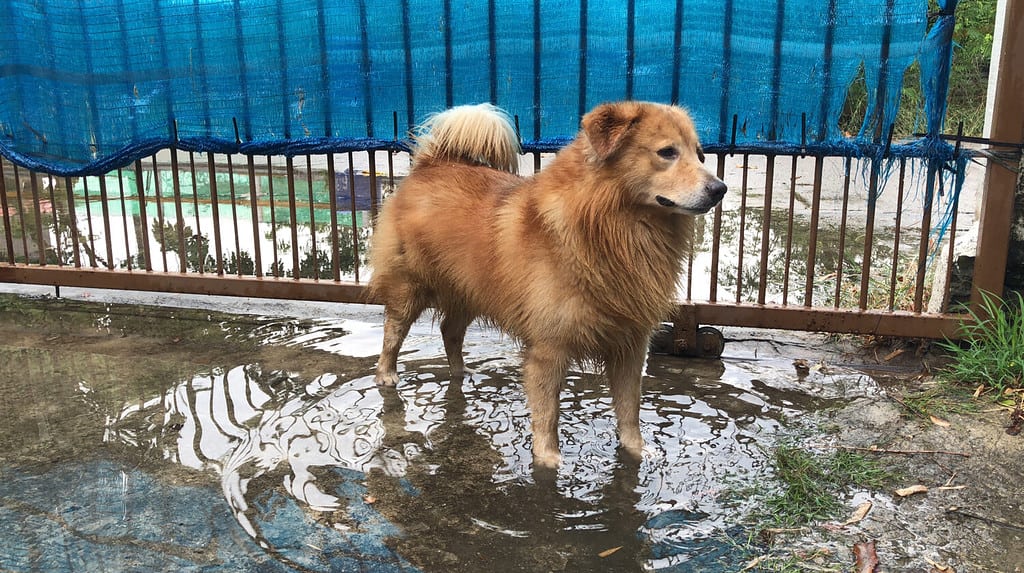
column 244, row 424
column 448, row 462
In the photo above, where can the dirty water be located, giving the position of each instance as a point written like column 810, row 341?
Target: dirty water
column 138, row 438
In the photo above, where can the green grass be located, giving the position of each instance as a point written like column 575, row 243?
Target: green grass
column 807, row 487
column 939, row 398
column 991, row 350
column 811, row 484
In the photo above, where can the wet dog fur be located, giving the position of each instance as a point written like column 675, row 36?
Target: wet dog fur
column 578, row 262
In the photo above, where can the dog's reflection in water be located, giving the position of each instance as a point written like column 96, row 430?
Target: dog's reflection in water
column 432, row 458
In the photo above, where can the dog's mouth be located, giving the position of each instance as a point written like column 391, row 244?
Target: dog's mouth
column 665, row 201
column 689, row 210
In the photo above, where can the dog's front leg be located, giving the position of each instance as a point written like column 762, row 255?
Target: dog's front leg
column 543, row 372
column 624, row 369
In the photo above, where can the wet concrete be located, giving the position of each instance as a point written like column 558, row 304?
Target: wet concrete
column 139, row 437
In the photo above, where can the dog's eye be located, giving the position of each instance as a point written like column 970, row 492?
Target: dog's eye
column 668, row 152
column 700, row 154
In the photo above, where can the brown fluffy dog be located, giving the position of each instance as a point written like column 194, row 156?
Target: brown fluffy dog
column 578, row 262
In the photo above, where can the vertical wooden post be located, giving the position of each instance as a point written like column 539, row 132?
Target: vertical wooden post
column 1004, row 122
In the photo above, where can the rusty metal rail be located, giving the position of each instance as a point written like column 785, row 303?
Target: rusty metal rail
column 805, row 243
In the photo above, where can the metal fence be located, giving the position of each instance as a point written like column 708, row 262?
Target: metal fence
column 811, row 243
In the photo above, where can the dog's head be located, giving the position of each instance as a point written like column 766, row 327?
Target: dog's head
column 654, row 151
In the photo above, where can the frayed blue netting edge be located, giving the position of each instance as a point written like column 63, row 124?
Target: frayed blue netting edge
column 931, row 148
column 149, row 147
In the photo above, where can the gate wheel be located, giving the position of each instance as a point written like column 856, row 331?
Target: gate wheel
column 710, row 342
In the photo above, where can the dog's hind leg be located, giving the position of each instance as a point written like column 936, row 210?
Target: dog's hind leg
column 401, row 310
column 543, row 373
column 624, row 369
column 453, row 332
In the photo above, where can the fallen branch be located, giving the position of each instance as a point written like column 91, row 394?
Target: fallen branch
column 903, row 452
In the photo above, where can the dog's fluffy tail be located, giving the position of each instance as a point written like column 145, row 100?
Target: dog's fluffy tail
column 477, row 134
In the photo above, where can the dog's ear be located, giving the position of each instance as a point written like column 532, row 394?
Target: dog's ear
column 606, row 126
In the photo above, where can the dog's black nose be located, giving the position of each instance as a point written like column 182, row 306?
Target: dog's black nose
column 716, row 190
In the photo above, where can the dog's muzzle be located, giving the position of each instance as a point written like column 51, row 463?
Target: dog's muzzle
column 714, row 191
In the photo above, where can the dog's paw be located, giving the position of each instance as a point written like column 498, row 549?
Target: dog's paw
column 547, row 460
column 386, row 378
column 461, row 373
column 634, row 449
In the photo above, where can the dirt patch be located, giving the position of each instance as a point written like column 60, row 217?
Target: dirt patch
column 970, row 518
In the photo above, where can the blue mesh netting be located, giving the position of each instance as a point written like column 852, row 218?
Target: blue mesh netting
column 86, row 86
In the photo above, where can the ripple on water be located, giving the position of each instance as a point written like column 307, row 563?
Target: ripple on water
column 261, row 431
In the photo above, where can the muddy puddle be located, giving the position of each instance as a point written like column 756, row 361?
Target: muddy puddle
column 155, row 439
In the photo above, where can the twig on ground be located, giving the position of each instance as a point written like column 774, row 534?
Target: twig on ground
column 903, row 452
column 988, row 520
column 907, row 407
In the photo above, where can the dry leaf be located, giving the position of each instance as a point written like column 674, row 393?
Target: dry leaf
column 905, row 491
column 938, row 568
column 893, row 354
column 938, row 421
column 867, row 559
column 859, row 514
column 978, row 391
column 608, row 552
column 778, row 530
column 754, row 563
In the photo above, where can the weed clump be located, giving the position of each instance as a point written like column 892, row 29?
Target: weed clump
column 812, row 484
column 991, row 351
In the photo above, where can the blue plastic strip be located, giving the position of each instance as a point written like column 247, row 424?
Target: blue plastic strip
column 325, row 69
column 630, row 46
column 581, row 107
column 936, row 59
column 537, row 58
column 410, row 99
column 448, row 80
column 94, row 133
column 366, row 66
column 677, row 50
column 492, row 49
column 780, row 23
column 200, row 55
column 726, row 71
column 826, row 72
